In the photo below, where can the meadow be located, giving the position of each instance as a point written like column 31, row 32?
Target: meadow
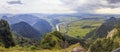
column 80, row 27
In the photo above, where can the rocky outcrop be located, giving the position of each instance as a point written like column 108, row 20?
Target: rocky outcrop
column 78, row 49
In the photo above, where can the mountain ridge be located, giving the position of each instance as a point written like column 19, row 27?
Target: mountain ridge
column 26, row 30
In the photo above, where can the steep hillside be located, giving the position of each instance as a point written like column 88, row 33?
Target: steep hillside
column 26, row 30
column 112, row 33
column 107, row 26
column 108, row 44
column 53, row 40
column 57, row 40
column 43, row 26
column 103, row 30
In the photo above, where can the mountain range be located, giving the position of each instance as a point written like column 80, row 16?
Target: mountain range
column 33, row 25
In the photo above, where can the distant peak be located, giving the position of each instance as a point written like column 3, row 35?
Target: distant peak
column 4, row 16
column 112, row 19
column 22, row 22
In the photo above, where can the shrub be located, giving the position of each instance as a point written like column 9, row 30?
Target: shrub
column 32, row 48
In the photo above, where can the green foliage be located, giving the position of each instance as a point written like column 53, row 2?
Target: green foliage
column 52, row 40
column 118, row 29
column 32, row 48
column 5, row 34
column 103, row 30
column 104, row 45
column 23, row 41
column 107, row 44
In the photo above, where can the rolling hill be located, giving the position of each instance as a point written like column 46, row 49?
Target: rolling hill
column 26, row 30
column 43, row 26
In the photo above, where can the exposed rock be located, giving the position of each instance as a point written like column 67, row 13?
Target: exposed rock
column 112, row 33
column 117, row 50
column 78, row 49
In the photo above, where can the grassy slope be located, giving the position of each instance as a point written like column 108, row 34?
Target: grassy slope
column 23, row 49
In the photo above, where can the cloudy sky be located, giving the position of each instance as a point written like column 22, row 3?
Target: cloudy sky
column 60, row 6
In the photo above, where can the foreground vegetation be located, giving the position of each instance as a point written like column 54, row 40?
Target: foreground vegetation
column 107, row 44
column 25, row 49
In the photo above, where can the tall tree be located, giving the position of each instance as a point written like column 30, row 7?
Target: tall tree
column 6, row 39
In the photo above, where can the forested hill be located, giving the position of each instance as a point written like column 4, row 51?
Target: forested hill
column 26, row 30
column 107, row 44
column 103, row 30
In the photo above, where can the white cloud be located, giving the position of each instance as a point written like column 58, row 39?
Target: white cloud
column 108, row 11
column 36, row 6
column 92, row 6
column 60, row 6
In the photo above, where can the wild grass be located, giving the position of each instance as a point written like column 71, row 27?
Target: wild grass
column 25, row 49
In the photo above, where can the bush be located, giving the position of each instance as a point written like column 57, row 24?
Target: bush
column 52, row 40
column 32, row 48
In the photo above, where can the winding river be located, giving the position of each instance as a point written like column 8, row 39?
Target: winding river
column 57, row 27
column 66, row 26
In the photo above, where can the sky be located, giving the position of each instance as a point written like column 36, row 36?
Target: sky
column 60, row 6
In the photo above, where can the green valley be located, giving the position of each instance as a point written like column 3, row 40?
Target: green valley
column 80, row 28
